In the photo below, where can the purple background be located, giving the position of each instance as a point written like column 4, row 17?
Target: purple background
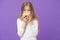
column 47, row 11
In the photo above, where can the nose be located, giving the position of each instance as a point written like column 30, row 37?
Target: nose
column 26, row 11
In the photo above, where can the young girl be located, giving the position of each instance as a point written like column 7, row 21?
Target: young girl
column 27, row 23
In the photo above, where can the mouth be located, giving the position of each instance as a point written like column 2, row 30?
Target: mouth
column 25, row 15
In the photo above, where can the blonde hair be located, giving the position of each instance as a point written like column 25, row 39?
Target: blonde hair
column 31, row 8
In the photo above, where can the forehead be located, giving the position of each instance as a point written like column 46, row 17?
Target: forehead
column 26, row 7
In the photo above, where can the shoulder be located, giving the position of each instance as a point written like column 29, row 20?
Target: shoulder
column 35, row 20
column 18, row 19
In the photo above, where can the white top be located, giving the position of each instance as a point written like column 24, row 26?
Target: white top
column 29, row 33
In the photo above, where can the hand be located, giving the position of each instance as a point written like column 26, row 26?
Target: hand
column 25, row 18
column 30, row 18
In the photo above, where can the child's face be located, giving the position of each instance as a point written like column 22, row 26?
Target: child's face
column 26, row 11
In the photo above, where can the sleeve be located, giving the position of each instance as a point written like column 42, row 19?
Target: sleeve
column 20, row 30
column 35, row 28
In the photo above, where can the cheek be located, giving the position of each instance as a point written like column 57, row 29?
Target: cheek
column 27, row 13
column 30, row 16
column 24, row 13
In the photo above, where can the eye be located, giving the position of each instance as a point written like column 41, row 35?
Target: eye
column 24, row 10
column 29, row 10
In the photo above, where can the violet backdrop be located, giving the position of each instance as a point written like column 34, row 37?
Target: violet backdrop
column 47, row 11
